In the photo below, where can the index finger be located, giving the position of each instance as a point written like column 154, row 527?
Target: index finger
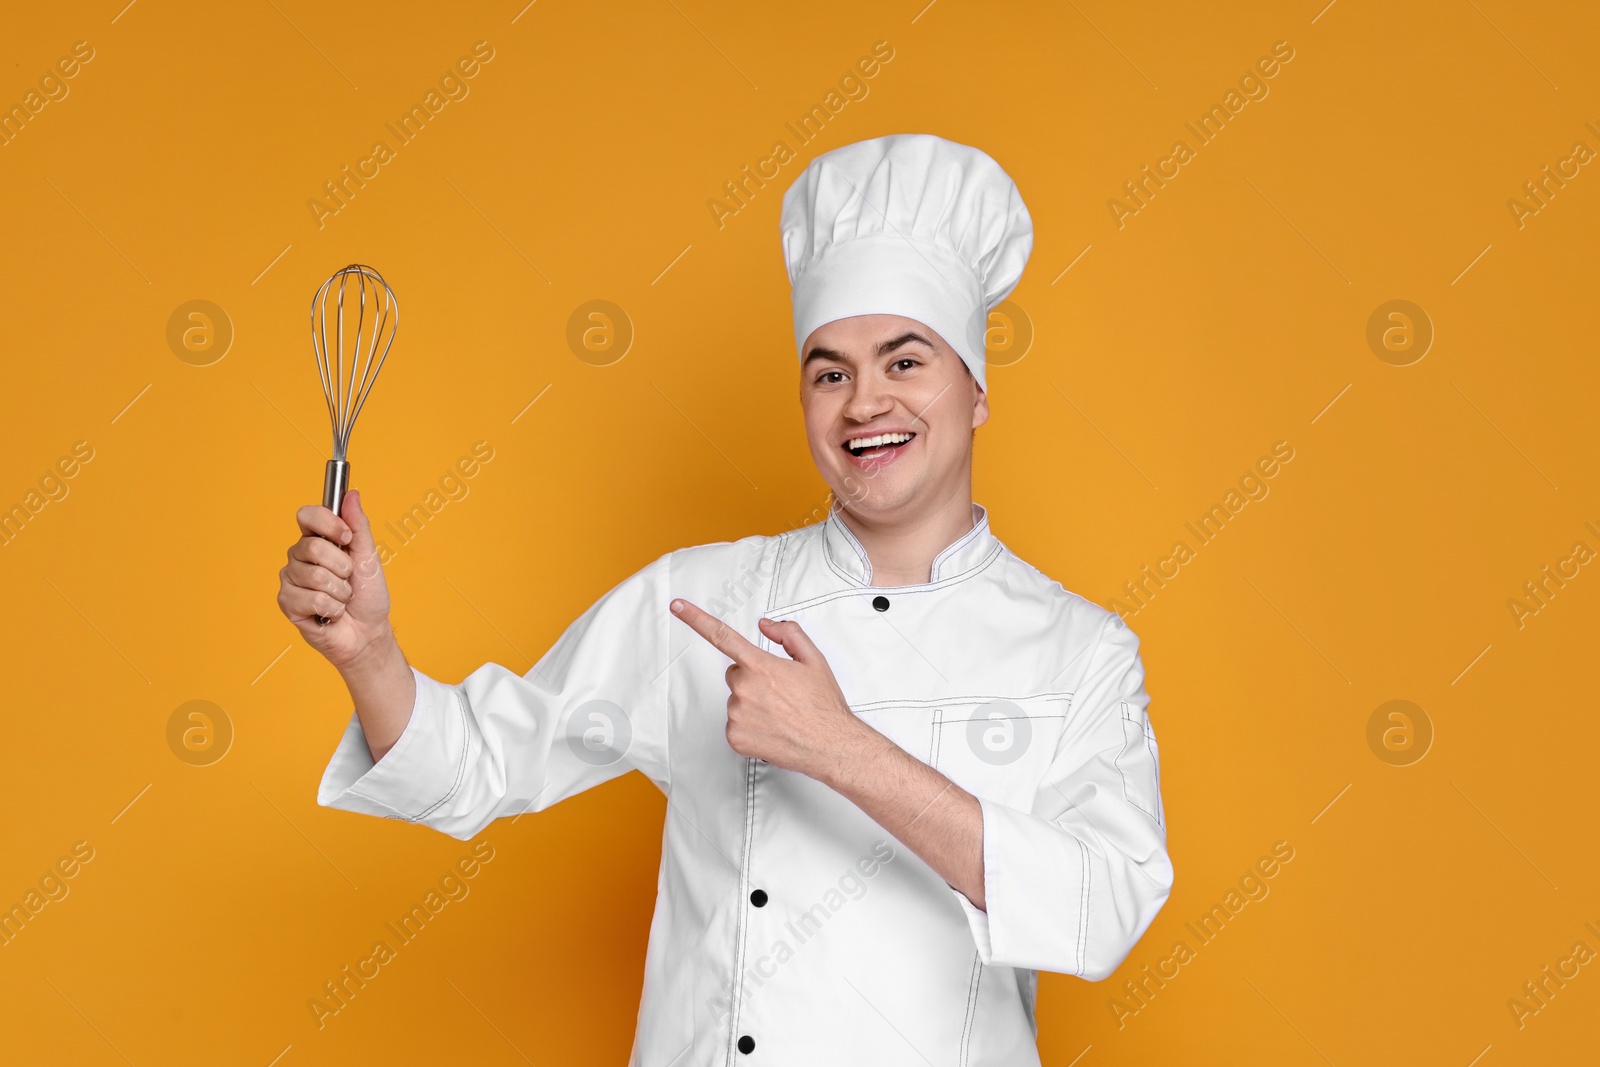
column 728, row 641
column 314, row 519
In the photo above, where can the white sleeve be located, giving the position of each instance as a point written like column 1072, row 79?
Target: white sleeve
column 1072, row 885
column 593, row 708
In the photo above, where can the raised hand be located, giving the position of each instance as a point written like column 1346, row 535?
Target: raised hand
column 333, row 572
column 789, row 712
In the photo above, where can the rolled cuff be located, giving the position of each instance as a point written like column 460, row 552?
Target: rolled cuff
column 978, row 923
column 978, row 918
column 423, row 770
column 1035, row 894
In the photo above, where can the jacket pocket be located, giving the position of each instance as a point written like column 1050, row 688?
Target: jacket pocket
column 999, row 748
column 908, row 725
column 1139, row 763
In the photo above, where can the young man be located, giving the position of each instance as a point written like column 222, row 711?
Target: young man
column 904, row 769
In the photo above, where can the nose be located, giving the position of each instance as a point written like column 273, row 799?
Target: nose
column 870, row 397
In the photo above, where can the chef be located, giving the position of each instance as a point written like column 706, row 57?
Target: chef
column 904, row 770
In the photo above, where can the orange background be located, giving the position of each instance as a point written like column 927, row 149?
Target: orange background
column 1228, row 314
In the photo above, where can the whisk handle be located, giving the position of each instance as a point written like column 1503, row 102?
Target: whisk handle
column 335, row 480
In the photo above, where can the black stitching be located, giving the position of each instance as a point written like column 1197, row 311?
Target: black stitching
column 666, row 690
column 866, row 561
column 744, row 881
column 964, row 539
column 749, row 837
column 1117, row 761
column 1001, row 718
column 1083, row 914
column 1098, row 638
column 1155, row 762
column 398, row 814
column 966, row 699
column 461, row 767
column 861, row 551
column 972, row 1008
column 777, row 569
column 896, row 590
column 827, row 555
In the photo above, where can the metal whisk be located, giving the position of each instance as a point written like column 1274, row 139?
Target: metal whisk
column 354, row 317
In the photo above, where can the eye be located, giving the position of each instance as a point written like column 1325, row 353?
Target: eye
column 906, row 359
column 822, row 379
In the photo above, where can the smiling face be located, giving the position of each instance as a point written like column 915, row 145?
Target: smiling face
column 889, row 410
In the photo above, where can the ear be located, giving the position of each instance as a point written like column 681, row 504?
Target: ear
column 980, row 405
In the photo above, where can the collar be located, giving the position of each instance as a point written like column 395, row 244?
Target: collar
column 846, row 555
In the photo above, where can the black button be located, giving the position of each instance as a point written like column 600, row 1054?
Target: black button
column 747, row 1044
column 759, row 898
column 881, row 603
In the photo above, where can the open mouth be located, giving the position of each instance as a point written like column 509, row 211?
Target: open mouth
column 879, row 446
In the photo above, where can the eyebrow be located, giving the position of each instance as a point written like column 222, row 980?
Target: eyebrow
column 884, row 348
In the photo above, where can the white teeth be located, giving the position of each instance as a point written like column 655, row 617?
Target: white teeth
column 881, row 439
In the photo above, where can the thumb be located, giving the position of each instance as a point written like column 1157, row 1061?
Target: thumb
column 794, row 641
column 361, row 542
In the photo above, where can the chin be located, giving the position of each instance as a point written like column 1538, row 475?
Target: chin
column 876, row 496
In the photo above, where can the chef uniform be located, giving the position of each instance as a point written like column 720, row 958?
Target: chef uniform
column 790, row 928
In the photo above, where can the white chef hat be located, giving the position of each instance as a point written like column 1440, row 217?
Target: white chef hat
column 910, row 224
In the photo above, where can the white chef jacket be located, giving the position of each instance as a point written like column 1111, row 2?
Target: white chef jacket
column 787, row 921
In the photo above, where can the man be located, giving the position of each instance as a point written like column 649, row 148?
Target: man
column 904, row 769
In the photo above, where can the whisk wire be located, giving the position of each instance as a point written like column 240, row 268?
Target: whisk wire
column 363, row 344
column 320, row 348
column 380, row 332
